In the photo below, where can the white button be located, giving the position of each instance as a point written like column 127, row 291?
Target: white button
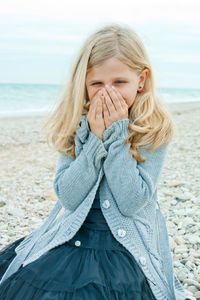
column 106, row 204
column 78, row 243
column 142, row 260
column 121, row 232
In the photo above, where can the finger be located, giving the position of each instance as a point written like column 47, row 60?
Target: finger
column 115, row 98
column 109, row 103
column 92, row 109
column 118, row 94
column 105, row 109
column 99, row 108
column 94, row 102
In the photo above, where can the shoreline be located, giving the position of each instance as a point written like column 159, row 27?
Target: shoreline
column 173, row 106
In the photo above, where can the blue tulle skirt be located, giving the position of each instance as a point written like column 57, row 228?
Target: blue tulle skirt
column 99, row 268
column 92, row 265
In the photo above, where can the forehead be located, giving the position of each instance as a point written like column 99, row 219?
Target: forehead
column 112, row 68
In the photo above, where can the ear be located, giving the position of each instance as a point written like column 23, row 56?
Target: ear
column 144, row 75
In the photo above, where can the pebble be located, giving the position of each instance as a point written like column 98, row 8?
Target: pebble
column 175, row 183
column 180, row 249
column 27, row 196
column 192, row 282
column 174, row 202
column 179, row 240
column 182, row 275
column 192, row 289
column 184, row 196
column 2, row 203
column 197, row 295
column 14, row 211
column 196, row 254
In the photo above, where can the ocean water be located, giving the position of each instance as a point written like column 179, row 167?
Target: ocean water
column 39, row 99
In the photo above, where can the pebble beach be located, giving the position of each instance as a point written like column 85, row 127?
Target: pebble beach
column 27, row 197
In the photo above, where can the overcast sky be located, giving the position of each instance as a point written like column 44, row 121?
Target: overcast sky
column 39, row 38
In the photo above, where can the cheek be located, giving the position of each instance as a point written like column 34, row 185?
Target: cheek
column 92, row 91
column 129, row 97
column 125, row 95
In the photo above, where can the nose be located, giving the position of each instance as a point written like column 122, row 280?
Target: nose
column 105, row 86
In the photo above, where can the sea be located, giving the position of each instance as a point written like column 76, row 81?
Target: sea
column 18, row 99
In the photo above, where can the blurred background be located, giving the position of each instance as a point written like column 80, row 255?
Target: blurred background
column 40, row 38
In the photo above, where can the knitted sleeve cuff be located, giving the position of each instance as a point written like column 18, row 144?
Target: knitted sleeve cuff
column 94, row 148
column 117, row 130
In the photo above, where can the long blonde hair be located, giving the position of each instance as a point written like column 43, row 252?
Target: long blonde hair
column 150, row 119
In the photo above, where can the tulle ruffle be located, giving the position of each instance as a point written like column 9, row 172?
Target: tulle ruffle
column 100, row 268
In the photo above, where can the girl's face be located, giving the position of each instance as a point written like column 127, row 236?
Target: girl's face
column 114, row 72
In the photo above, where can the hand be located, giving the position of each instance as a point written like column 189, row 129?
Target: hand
column 114, row 106
column 95, row 116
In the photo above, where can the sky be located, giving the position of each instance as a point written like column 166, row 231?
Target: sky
column 40, row 38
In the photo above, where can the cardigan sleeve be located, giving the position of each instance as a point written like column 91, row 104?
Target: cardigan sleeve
column 132, row 183
column 74, row 178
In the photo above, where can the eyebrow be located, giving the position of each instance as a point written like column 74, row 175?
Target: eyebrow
column 117, row 78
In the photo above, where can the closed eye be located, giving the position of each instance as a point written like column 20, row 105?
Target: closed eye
column 118, row 81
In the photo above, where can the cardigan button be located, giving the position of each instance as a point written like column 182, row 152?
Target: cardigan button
column 78, row 243
column 106, row 204
column 142, row 260
column 121, row 232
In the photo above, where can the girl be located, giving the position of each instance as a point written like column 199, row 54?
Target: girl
column 111, row 131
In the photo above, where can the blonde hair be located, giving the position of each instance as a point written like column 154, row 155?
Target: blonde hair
column 150, row 120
